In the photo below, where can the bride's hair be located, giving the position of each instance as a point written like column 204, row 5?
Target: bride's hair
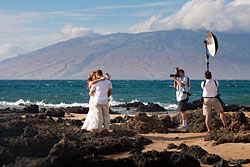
column 90, row 78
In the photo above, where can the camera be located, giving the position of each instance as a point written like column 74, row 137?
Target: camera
column 176, row 73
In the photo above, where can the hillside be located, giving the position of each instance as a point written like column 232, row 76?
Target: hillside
column 151, row 55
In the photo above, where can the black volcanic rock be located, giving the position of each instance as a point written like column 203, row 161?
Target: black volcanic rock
column 237, row 131
column 196, row 104
column 128, row 105
column 44, row 142
column 183, row 160
column 64, row 153
column 167, row 121
column 236, row 107
column 127, row 117
column 118, row 119
column 150, row 107
column 194, row 151
column 53, row 112
column 172, row 146
column 239, row 161
column 6, row 157
column 210, row 159
column 221, row 163
column 181, row 146
column 31, row 109
column 78, row 110
column 142, row 123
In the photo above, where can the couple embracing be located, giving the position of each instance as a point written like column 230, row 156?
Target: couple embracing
column 98, row 115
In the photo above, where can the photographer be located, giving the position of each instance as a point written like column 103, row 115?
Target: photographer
column 181, row 84
column 211, row 100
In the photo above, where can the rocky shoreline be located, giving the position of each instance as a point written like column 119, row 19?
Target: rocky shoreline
column 45, row 138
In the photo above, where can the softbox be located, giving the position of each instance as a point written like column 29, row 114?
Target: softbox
column 212, row 43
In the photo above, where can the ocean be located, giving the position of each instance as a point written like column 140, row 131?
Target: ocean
column 67, row 93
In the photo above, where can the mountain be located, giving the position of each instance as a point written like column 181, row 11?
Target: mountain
column 150, row 55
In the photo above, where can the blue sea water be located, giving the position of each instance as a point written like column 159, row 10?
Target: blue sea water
column 64, row 93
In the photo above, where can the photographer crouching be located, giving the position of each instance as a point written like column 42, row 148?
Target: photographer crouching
column 182, row 85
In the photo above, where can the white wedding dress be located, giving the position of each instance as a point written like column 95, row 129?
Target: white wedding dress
column 91, row 121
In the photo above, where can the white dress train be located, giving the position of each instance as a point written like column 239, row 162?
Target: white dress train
column 92, row 121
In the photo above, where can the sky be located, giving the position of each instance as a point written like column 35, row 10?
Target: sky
column 29, row 25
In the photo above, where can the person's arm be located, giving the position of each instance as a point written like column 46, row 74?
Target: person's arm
column 178, row 82
column 91, row 93
column 95, row 81
column 110, row 92
column 202, row 84
column 92, row 90
column 217, row 83
column 110, row 89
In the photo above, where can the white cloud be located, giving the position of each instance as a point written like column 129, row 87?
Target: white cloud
column 144, row 26
column 73, row 32
column 199, row 14
column 8, row 51
column 240, row 2
column 162, row 3
column 21, row 30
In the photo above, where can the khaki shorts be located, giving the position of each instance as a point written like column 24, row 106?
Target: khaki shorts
column 210, row 103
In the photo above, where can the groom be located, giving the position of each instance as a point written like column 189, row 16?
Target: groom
column 101, row 91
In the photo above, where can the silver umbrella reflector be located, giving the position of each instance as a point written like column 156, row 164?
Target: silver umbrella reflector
column 212, row 43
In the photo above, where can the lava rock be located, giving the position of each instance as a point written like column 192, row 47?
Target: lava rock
column 194, row 151
column 31, row 109
column 183, row 160
column 221, row 163
column 118, row 119
column 167, row 121
column 59, row 120
column 172, row 146
column 41, row 116
column 239, row 161
column 78, row 110
column 127, row 117
column 143, row 124
column 55, row 112
column 64, row 153
column 128, row 105
column 75, row 122
column 181, row 146
column 6, row 157
column 210, row 159
column 150, row 107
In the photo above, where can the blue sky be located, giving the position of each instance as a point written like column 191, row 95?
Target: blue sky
column 32, row 24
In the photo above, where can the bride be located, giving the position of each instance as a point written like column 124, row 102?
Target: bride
column 91, row 121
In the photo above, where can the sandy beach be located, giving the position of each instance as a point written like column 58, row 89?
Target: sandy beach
column 160, row 142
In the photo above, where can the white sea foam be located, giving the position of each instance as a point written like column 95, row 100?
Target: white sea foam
column 20, row 103
column 112, row 102
column 168, row 106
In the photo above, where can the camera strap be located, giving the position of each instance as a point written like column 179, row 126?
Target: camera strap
column 204, row 83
